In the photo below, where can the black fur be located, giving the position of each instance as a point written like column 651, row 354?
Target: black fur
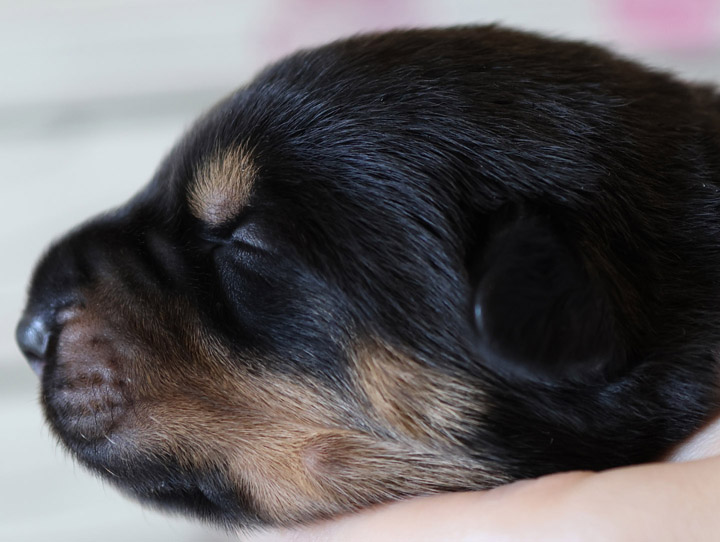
column 539, row 216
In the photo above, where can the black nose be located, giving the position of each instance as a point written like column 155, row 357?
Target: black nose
column 33, row 337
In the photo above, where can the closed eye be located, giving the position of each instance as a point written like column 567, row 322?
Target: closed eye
column 247, row 236
column 208, row 243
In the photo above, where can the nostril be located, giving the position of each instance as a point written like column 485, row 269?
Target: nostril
column 33, row 337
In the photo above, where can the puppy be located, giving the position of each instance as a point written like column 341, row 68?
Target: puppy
column 399, row 264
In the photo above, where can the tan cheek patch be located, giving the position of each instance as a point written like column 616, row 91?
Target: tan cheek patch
column 260, row 430
column 222, row 186
column 302, row 451
column 298, row 449
column 413, row 399
column 289, row 447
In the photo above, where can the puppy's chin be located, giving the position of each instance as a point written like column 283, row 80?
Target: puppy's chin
column 704, row 443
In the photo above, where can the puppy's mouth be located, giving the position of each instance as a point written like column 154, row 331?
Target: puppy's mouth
column 81, row 369
column 94, row 400
column 85, row 382
column 163, row 483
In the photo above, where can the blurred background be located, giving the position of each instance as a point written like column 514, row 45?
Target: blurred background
column 94, row 92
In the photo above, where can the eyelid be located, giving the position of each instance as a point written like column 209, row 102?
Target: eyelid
column 249, row 234
column 209, row 242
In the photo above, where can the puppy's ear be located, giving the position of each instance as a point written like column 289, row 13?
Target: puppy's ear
column 537, row 311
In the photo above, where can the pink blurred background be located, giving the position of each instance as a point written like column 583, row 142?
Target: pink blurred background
column 679, row 24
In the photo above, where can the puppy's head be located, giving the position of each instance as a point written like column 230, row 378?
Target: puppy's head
column 396, row 265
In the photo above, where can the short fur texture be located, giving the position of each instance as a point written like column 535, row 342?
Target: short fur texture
column 399, row 264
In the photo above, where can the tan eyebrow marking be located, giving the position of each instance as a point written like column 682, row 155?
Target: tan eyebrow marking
column 222, row 186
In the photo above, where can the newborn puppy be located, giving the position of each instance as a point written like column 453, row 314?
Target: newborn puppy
column 395, row 265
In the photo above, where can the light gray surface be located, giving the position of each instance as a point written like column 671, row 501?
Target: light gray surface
column 92, row 94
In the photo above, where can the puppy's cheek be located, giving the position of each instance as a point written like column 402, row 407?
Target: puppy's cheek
column 289, row 448
column 259, row 451
column 286, row 448
column 413, row 400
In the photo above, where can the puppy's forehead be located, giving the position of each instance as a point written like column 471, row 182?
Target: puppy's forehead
column 222, row 185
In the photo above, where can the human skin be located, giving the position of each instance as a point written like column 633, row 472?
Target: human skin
column 675, row 500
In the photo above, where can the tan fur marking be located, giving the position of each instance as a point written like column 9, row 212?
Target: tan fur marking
column 414, row 399
column 299, row 450
column 222, row 186
column 289, row 443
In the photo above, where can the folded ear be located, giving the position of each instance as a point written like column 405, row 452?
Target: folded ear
column 537, row 310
